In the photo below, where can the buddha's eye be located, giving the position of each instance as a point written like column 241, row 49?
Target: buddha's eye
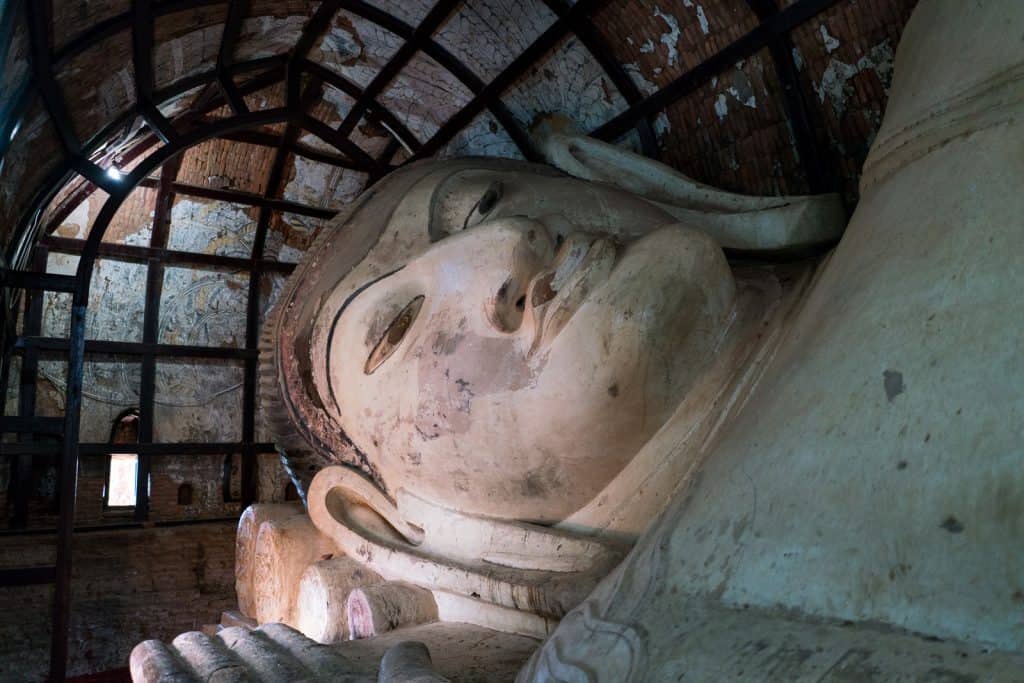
column 488, row 200
column 393, row 335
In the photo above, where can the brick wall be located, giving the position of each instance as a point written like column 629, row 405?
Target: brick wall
column 203, row 473
column 732, row 132
column 845, row 64
column 128, row 586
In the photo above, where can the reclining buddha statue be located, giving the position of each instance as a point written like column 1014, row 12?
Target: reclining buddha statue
column 666, row 427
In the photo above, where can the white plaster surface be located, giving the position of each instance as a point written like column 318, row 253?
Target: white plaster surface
column 487, row 36
column 570, row 82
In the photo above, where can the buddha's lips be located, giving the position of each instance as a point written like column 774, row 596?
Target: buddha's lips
column 551, row 316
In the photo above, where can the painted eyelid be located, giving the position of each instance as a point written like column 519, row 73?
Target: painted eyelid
column 386, row 346
column 334, row 326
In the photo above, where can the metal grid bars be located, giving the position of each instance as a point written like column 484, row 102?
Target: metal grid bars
column 228, row 83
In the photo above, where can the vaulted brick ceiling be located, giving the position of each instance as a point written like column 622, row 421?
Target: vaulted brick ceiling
column 233, row 130
column 383, row 81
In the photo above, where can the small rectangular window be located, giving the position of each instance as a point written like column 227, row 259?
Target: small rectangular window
column 121, row 491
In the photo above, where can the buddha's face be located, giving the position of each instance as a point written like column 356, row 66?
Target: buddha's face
column 514, row 368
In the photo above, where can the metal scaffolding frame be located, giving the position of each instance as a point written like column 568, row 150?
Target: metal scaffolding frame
column 227, row 84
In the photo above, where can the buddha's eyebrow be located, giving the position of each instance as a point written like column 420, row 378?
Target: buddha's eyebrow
column 334, row 326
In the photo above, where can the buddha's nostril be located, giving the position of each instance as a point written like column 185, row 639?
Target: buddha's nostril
column 506, row 311
column 542, row 291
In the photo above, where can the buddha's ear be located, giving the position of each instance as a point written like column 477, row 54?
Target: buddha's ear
column 736, row 221
column 345, row 505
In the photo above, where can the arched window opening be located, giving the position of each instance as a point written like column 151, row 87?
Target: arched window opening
column 185, row 494
column 121, row 487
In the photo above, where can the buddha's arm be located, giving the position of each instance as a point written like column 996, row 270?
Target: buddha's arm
column 736, row 221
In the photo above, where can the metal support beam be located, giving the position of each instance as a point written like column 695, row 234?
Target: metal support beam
column 130, row 253
column 68, row 485
column 39, row 18
column 8, row 12
column 297, row 101
column 413, row 44
column 385, row 157
column 151, row 329
column 241, row 197
column 369, row 12
column 21, row 481
column 778, row 24
column 780, row 46
column 237, row 9
column 77, row 348
column 40, row 15
column 316, row 26
column 446, row 59
column 100, row 347
column 335, row 139
column 146, row 143
column 121, row 22
column 252, row 329
column 157, row 122
column 313, row 29
column 37, row 281
column 389, row 152
column 354, row 91
column 11, row 111
column 124, row 526
column 253, row 137
column 70, row 448
column 86, row 189
column 31, row 424
column 142, row 58
column 492, row 92
column 272, row 71
column 591, row 39
column 42, row 449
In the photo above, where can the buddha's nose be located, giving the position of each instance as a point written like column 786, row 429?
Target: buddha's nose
column 539, row 240
column 520, row 249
